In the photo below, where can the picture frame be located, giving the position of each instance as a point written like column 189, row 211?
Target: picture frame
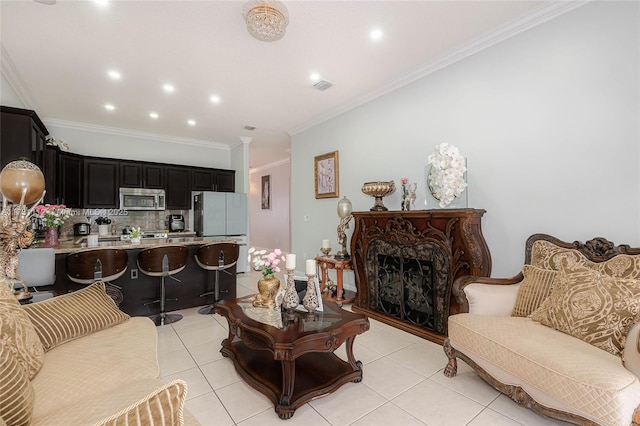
column 266, row 192
column 326, row 175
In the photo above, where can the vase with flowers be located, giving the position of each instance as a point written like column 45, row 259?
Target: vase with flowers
column 446, row 178
column 52, row 216
column 268, row 285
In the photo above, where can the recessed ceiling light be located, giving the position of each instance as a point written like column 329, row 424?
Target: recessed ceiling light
column 153, row 115
column 191, row 122
column 215, row 99
column 314, row 77
column 102, row 3
column 168, row 88
column 114, row 74
column 376, row 34
column 109, row 107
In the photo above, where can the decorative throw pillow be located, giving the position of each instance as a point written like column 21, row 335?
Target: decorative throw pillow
column 17, row 333
column 547, row 255
column 74, row 315
column 165, row 406
column 16, row 392
column 534, row 289
column 592, row 306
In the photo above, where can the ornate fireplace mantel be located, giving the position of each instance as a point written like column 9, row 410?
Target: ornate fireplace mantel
column 405, row 263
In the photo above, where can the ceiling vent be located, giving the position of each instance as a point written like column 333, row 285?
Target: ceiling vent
column 249, row 128
column 323, row 85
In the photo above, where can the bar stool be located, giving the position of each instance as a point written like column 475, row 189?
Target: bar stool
column 216, row 257
column 103, row 264
column 163, row 261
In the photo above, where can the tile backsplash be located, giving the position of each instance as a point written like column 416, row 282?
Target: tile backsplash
column 146, row 220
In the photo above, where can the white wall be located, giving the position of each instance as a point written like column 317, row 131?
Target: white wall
column 548, row 121
column 270, row 228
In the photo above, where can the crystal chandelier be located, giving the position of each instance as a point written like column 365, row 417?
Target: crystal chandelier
column 266, row 20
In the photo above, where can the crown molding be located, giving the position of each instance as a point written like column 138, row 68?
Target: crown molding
column 543, row 13
column 270, row 165
column 10, row 73
column 133, row 134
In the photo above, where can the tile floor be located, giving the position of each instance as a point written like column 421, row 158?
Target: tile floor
column 403, row 382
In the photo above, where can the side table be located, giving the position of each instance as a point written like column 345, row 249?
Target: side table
column 339, row 265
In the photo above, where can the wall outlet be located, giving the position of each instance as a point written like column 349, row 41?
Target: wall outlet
column 307, row 218
column 134, row 274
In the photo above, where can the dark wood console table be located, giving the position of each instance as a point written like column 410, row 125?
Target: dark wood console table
column 405, row 263
column 289, row 357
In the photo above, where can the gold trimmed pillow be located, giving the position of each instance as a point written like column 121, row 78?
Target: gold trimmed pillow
column 165, row 406
column 16, row 392
column 533, row 290
column 592, row 306
column 17, row 333
column 74, row 315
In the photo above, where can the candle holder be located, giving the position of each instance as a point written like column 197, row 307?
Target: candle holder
column 325, row 251
column 310, row 300
column 291, row 299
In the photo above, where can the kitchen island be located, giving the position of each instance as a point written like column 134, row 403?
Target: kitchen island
column 134, row 291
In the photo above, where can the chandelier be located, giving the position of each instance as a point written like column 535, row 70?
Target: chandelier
column 266, row 20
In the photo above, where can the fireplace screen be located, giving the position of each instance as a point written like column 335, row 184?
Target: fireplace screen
column 405, row 289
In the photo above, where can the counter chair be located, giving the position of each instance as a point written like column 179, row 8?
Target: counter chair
column 216, row 257
column 163, row 261
column 103, row 264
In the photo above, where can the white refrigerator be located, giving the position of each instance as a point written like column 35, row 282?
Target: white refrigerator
column 222, row 214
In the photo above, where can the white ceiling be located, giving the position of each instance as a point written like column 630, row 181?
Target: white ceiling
column 58, row 56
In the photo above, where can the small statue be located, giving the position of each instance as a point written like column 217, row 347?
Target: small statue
column 408, row 194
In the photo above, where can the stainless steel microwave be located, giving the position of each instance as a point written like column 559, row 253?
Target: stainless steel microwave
column 142, row 199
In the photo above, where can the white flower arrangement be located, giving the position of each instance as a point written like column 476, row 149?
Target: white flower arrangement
column 446, row 177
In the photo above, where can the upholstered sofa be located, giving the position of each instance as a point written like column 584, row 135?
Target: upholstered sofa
column 78, row 360
column 561, row 337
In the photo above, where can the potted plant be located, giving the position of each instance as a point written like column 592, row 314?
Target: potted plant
column 135, row 235
column 103, row 225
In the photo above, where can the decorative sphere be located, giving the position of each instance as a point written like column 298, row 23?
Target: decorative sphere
column 18, row 176
column 344, row 207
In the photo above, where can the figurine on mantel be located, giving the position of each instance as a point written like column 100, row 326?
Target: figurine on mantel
column 408, row 194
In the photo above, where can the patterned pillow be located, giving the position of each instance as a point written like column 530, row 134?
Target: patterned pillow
column 16, row 392
column 74, row 315
column 163, row 406
column 592, row 306
column 534, row 289
column 17, row 333
column 547, row 255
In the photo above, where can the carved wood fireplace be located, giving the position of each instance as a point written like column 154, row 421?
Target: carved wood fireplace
column 405, row 264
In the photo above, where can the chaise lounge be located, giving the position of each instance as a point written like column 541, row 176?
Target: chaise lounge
column 561, row 337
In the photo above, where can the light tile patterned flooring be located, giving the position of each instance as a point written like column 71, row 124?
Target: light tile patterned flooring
column 403, row 382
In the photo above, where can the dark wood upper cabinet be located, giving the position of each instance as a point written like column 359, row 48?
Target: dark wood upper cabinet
column 153, row 176
column 70, row 178
column 101, row 183
column 22, row 135
column 51, row 154
column 178, row 188
column 130, row 175
column 225, row 180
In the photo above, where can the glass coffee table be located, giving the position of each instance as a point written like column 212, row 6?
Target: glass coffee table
column 289, row 356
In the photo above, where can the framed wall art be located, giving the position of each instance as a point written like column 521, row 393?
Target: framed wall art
column 266, row 192
column 326, row 174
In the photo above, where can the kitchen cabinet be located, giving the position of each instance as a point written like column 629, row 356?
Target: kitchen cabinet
column 212, row 180
column 130, row 175
column 177, row 188
column 101, row 183
column 22, row 135
column 70, row 178
column 51, row 175
column 153, row 176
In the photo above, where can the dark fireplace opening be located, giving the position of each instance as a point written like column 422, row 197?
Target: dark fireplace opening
column 406, row 290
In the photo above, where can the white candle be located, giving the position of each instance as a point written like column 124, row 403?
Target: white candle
column 325, row 244
column 311, row 267
column 290, row 261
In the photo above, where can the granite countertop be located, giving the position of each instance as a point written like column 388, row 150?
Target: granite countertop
column 71, row 244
